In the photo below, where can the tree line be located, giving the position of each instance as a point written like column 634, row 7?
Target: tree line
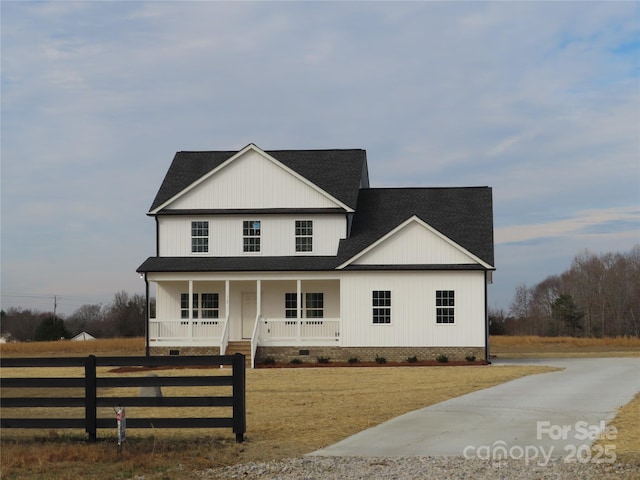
column 123, row 317
column 598, row 296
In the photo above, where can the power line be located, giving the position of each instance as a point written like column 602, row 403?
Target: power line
column 44, row 301
column 52, row 296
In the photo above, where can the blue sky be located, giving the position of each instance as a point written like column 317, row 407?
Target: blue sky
column 540, row 101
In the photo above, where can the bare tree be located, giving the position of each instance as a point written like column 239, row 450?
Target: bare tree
column 604, row 293
column 22, row 324
column 126, row 315
column 87, row 318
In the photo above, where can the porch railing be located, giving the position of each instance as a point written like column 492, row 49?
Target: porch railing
column 224, row 341
column 267, row 332
column 185, row 331
column 305, row 331
column 254, row 340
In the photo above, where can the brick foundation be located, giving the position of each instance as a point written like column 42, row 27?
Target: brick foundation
column 336, row 354
column 366, row 354
column 185, row 351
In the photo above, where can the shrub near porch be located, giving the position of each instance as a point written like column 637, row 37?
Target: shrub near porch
column 367, row 354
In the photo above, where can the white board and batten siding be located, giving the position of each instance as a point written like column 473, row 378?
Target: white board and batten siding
column 413, row 308
column 277, row 236
column 252, row 181
column 414, row 244
column 413, row 293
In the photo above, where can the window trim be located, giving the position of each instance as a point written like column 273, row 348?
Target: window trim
column 317, row 301
column 210, row 304
column 201, row 227
column 251, row 242
column 445, row 304
column 301, row 238
column 381, row 307
column 291, row 306
column 199, row 308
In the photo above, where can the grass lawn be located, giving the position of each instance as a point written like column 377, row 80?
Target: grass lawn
column 290, row 412
column 561, row 347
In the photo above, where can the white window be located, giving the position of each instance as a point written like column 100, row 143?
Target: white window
column 199, row 237
column 445, row 306
column 291, row 305
column 210, row 305
column 251, row 235
column 381, row 300
column 313, row 305
column 184, row 305
column 304, row 235
column 205, row 306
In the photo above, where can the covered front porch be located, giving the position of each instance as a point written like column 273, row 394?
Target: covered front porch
column 267, row 312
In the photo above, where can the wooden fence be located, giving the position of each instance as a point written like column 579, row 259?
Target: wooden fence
column 91, row 400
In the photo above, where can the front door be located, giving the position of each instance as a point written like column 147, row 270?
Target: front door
column 249, row 312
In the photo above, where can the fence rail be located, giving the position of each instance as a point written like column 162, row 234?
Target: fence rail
column 91, row 401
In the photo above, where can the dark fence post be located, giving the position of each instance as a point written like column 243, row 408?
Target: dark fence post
column 239, row 397
column 91, row 422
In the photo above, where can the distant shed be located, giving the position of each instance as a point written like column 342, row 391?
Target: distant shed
column 83, row 336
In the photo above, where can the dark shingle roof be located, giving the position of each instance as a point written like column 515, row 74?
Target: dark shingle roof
column 338, row 172
column 465, row 215
column 238, row 264
column 273, row 264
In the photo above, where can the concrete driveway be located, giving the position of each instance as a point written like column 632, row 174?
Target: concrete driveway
column 556, row 414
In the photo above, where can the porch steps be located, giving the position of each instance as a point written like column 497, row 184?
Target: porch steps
column 243, row 347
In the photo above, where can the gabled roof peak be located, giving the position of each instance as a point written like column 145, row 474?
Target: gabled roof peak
column 339, row 172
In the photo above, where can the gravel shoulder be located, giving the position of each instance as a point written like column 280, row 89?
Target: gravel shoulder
column 414, row 468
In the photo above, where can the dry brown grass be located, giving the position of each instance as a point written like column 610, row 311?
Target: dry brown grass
column 105, row 346
column 627, row 441
column 546, row 347
column 289, row 412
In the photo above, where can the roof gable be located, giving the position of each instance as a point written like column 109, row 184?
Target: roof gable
column 464, row 216
column 337, row 174
column 252, row 179
column 414, row 243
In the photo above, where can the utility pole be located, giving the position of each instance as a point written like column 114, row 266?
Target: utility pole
column 55, row 305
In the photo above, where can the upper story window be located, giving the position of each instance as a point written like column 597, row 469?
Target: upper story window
column 304, row 235
column 381, row 300
column 199, row 237
column 445, row 306
column 251, row 235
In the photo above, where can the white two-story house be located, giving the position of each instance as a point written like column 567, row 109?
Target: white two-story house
column 290, row 254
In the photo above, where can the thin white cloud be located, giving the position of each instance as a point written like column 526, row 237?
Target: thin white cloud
column 611, row 222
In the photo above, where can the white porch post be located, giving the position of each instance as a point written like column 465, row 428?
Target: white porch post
column 191, row 310
column 226, row 299
column 258, row 296
column 299, row 304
